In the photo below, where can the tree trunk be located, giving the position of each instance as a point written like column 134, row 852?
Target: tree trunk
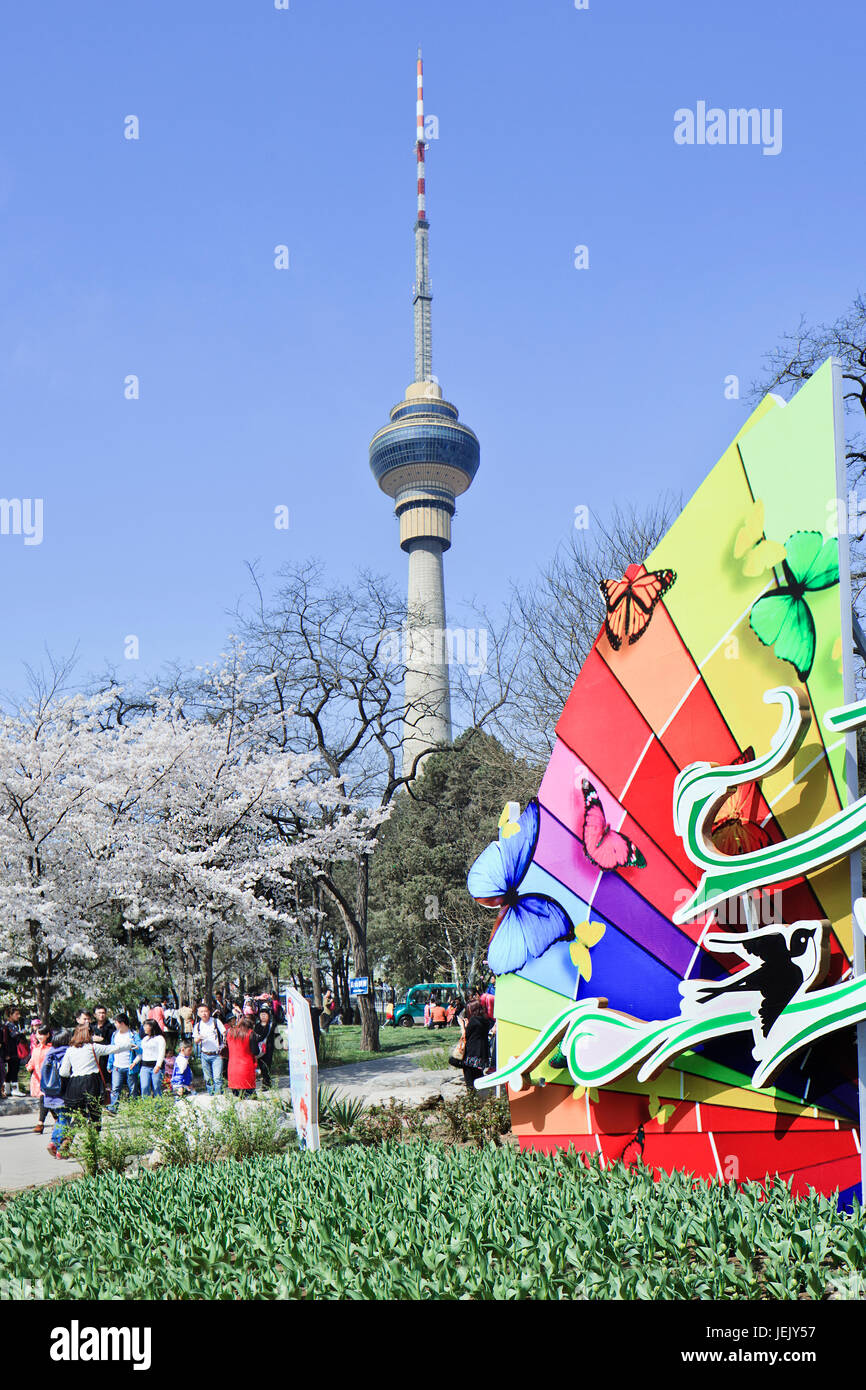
column 343, row 989
column 356, row 928
column 366, row 1002
column 316, row 981
column 42, row 985
column 315, row 951
column 44, row 995
column 208, row 966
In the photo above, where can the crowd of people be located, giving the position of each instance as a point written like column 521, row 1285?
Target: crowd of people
column 475, row 1053
column 106, row 1059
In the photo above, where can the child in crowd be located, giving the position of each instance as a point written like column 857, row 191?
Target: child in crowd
column 181, row 1076
column 168, row 1071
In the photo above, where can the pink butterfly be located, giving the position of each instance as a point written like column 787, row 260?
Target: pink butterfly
column 605, row 848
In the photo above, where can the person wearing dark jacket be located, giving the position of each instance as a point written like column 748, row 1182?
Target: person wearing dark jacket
column 10, row 1038
column 102, row 1027
column 476, row 1053
column 265, row 1034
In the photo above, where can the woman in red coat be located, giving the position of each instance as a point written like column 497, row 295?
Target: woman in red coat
column 242, row 1058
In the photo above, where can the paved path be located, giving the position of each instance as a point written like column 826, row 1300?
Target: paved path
column 25, row 1161
column 24, row 1158
column 397, row 1077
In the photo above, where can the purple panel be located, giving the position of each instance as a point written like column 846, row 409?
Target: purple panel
column 618, row 902
column 561, row 854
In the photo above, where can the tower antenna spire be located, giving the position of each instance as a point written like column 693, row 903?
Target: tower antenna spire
column 424, row 458
column 423, row 293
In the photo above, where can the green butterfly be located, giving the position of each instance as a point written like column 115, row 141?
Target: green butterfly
column 782, row 619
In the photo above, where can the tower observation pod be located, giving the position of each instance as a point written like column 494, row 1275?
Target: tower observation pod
column 424, row 458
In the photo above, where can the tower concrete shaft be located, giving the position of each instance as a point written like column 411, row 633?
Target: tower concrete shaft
column 424, row 458
column 427, row 687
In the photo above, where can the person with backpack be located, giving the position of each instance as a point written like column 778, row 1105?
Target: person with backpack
column 52, row 1087
column 38, row 1053
column 209, row 1035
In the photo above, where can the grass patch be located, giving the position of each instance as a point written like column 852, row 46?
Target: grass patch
column 419, row 1221
column 436, row 1059
column 342, row 1045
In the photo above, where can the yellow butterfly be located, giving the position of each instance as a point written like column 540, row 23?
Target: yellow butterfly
column 760, row 554
column 836, row 654
column 586, row 935
column 660, row 1112
column 580, row 1091
column 509, row 820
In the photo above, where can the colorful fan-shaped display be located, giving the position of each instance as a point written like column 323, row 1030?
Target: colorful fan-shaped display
column 745, row 594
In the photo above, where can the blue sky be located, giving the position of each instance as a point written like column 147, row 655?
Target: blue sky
column 261, row 388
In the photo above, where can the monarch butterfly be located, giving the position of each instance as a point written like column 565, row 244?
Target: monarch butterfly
column 630, row 602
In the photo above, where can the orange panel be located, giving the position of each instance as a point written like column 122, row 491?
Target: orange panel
column 655, row 671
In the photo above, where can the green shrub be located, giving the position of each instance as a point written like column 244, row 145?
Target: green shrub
column 178, row 1133
column 423, row 1221
column 476, row 1119
column 338, row 1112
column 384, row 1123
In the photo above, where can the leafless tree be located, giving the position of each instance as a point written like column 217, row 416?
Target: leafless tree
column 553, row 622
column 800, row 353
column 797, row 357
column 332, row 670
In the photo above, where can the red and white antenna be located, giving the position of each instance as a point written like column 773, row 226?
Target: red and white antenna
column 423, row 294
column 420, row 145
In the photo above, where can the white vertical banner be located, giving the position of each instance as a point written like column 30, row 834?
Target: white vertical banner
column 303, row 1069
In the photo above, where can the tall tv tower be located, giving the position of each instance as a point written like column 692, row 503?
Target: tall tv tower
column 424, row 459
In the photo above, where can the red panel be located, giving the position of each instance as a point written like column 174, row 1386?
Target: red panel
column 555, row 1108
column 694, row 1154
column 723, row 1119
column 602, row 726
column 827, row 1177
column 691, row 1152
column 649, row 801
column 758, row 1155
column 698, row 733
column 617, row 1112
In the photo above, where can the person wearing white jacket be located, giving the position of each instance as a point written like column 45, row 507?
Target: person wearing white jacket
column 86, row 1078
column 152, row 1058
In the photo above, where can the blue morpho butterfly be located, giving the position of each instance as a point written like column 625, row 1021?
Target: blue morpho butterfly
column 527, row 924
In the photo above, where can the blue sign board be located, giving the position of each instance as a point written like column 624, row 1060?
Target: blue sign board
column 360, row 985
